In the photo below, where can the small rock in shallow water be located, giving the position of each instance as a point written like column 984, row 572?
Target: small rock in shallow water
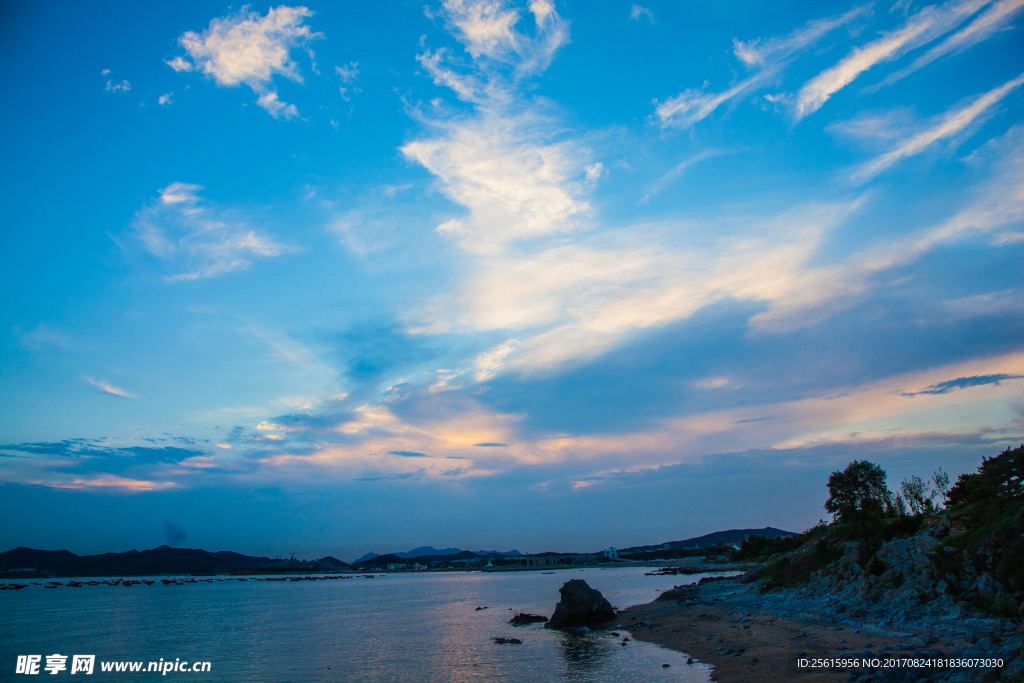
column 523, row 618
column 689, row 660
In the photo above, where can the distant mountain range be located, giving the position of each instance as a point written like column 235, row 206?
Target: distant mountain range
column 430, row 551
column 708, row 540
column 167, row 560
column 162, row 560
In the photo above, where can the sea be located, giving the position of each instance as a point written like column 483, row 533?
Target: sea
column 404, row 626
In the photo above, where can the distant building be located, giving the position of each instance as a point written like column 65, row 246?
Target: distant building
column 396, row 567
column 611, row 554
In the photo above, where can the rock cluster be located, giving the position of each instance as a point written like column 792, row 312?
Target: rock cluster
column 580, row 606
column 920, row 580
column 915, row 575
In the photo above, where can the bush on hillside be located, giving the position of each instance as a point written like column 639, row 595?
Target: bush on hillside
column 761, row 548
column 989, row 506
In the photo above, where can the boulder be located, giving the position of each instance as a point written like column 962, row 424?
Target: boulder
column 580, row 605
column 522, row 619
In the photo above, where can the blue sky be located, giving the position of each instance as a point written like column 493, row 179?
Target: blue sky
column 350, row 277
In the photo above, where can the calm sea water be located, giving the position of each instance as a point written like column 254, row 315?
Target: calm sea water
column 399, row 627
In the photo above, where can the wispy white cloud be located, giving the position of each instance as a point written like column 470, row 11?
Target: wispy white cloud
column 347, row 73
column 490, row 361
column 537, row 262
column 123, row 86
column 673, row 173
column 539, row 266
column 108, row 388
column 765, row 56
column 572, row 300
column 991, row 303
column 761, row 52
column 41, row 337
column 992, row 21
column 500, row 53
column 948, row 125
column 637, row 11
column 516, row 183
column 249, row 48
column 575, row 299
column 276, row 107
column 288, row 349
column 165, row 99
column 501, row 161
column 919, row 29
column 198, row 240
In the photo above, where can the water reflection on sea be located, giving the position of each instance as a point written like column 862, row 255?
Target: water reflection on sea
column 401, row 627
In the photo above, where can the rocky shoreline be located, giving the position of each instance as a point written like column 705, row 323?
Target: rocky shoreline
column 899, row 587
column 843, row 611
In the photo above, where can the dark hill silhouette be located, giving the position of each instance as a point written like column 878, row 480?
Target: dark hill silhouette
column 430, row 551
column 382, row 561
column 162, row 560
column 708, row 540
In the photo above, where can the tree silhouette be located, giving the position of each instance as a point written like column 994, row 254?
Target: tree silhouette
column 859, row 493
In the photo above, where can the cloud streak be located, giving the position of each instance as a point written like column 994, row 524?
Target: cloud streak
column 964, row 383
column 108, row 388
column 919, row 29
column 767, row 57
column 994, row 19
column 948, row 125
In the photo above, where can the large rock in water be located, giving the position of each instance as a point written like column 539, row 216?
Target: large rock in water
column 580, row 605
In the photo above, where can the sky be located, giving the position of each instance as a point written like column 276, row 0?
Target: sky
column 346, row 277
